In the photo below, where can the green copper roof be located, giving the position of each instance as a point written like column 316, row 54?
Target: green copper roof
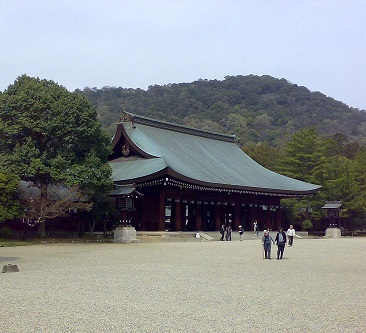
column 196, row 156
column 135, row 168
column 124, row 190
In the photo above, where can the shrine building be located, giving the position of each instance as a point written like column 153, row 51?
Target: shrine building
column 176, row 178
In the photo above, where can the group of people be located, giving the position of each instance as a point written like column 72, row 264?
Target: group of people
column 225, row 232
column 280, row 240
column 267, row 240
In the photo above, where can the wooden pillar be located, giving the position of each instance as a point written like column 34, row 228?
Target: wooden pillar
column 223, row 212
column 198, row 216
column 254, row 213
column 142, row 218
column 217, row 217
column 123, row 216
column 268, row 217
column 237, row 216
column 178, row 216
column 278, row 216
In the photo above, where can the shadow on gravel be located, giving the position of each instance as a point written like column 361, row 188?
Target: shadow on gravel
column 3, row 259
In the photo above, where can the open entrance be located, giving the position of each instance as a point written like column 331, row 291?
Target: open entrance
column 168, row 216
column 228, row 215
column 189, row 216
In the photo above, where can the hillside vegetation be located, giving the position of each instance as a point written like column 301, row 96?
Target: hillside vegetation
column 286, row 128
column 258, row 109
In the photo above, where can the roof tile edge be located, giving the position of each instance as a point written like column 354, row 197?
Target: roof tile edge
column 130, row 117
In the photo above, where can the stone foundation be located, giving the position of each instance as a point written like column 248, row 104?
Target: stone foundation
column 125, row 235
column 333, row 233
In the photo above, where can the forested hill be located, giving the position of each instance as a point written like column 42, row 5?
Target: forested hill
column 255, row 108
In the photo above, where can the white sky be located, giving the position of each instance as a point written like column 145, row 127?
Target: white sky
column 318, row 44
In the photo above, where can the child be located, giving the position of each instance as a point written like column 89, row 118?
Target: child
column 241, row 232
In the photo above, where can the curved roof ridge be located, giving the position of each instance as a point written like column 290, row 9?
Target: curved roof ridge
column 130, row 117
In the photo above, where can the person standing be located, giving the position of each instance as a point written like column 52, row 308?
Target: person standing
column 241, row 232
column 281, row 242
column 291, row 233
column 267, row 241
column 255, row 228
column 228, row 233
column 222, row 231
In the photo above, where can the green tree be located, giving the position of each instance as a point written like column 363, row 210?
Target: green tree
column 343, row 146
column 51, row 136
column 357, row 206
column 306, row 225
column 303, row 158
column 9, row 204
column 104, row 212
column 337, row 179
column 264, row 154
column 303, row 155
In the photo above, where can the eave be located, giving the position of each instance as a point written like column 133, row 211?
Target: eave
column 169, row 177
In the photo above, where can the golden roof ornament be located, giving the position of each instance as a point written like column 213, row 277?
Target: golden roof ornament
column 126, row 117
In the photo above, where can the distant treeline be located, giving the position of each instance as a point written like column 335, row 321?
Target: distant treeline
column 258, row 109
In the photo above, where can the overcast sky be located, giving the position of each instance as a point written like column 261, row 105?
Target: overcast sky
column 318, row 44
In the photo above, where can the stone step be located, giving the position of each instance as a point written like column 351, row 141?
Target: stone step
column 204, row 236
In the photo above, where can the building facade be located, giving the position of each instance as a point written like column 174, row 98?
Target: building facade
column 177, row 178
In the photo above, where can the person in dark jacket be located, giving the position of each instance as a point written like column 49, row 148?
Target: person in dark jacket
column 280, row 241
column 228, row 233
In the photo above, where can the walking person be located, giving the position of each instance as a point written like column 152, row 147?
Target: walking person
column 241, row 232
column 228, row 233
column 281, row 242
column 291, row 233
column 222, row 231
column 267, row 241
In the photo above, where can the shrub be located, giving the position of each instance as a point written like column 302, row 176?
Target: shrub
column 5, row 232
column 306, row 225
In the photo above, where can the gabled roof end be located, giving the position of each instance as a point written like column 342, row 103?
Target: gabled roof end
column 135, row 119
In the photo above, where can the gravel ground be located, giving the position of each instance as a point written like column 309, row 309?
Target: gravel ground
column 319, row 286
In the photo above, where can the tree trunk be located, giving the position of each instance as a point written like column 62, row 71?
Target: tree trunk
column 42, row 229
column 91, row 226
column 42, row 222
column 25, row 234
column 81, row 228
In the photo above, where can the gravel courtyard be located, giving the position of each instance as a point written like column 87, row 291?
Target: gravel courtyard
column 192, row 286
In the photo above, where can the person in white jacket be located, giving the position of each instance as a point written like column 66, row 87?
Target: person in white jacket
column 291, row 233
